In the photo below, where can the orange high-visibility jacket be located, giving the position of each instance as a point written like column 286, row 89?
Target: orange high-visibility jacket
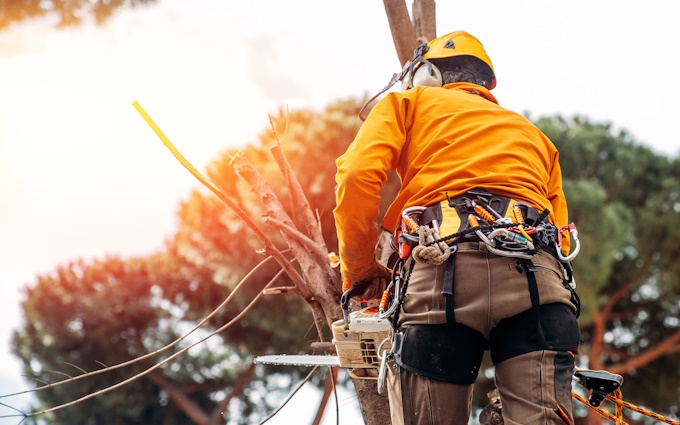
column 439, row 140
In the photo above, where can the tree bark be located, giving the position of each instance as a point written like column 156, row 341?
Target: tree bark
column 424, row 21
column 321, row 279
column 375, row 408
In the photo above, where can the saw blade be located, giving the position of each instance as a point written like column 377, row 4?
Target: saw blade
column 298, row 360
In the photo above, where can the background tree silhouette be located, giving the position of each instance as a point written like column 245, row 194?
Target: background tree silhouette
column 625, row 200
column 69, row 12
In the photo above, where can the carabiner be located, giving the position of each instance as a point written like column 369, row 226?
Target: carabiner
column 382, row 373
column 574, row 234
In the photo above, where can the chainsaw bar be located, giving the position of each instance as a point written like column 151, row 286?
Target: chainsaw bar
column 298, row 360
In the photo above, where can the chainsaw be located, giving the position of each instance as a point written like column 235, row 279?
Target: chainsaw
column 360, row 338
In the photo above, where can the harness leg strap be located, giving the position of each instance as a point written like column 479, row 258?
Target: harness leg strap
column 535, row 300
column 447, row 291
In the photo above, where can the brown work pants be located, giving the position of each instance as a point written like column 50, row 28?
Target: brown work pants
column 534, row 386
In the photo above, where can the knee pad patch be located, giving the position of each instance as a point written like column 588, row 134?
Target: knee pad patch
column 519, row 334
column 447, row 352
column 564, row 371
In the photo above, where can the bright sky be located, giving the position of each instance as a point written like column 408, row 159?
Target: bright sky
column 82, row 175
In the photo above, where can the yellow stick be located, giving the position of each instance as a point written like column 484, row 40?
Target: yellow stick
column 174, row 150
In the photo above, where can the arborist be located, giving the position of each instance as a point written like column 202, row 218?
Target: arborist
column 481, row 188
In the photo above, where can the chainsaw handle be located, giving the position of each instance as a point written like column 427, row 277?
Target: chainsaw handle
column 356, row 289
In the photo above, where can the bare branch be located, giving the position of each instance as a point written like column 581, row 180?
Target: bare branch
column 75, row 367
column 334, row 376
column 403, row 34
column 669, row 345
column 269, row 245
column 299, row 198
column 324, row 347
column 24, row 392
column 291, row 396
column 172, row 344
column 318, row 316
column 238, row 387
column 316, row 249
column 322, row 278
column 328, row 388
column 282, row 290
column 13, row 408
column 59, row 373
column 159, row 364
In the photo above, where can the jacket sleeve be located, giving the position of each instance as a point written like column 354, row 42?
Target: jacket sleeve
column 361, row 172
column 558, row 201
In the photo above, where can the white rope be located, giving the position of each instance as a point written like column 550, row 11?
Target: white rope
column 434, row 254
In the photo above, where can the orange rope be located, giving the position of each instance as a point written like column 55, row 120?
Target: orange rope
column 620, row 405
column 599, row 410
column 624, row 404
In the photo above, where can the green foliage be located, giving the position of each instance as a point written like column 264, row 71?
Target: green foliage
column 70, row 12
column 625, row 200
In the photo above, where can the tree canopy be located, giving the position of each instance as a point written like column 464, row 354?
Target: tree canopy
column 625, row 200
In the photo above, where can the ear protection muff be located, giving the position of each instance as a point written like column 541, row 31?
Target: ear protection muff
column 426, row 75
column 421, row 72
column 416, row 72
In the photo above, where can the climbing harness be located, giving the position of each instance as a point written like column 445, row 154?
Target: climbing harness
column 509, row 235
column 496, row 221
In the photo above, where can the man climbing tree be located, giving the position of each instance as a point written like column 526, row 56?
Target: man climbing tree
column 463, row 160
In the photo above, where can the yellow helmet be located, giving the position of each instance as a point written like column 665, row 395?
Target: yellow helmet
column 458, row 43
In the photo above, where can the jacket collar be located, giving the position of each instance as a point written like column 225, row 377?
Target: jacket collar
column 472, row 89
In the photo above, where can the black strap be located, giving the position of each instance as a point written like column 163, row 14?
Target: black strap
column 447, row 290
column 574, row 296
column 406, row 276
column 535, row 299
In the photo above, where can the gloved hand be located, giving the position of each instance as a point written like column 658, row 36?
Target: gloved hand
column 379, row 277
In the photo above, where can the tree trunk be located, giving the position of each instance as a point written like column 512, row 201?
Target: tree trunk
column 424, row 20
column 403, row 34
column 375, row 408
